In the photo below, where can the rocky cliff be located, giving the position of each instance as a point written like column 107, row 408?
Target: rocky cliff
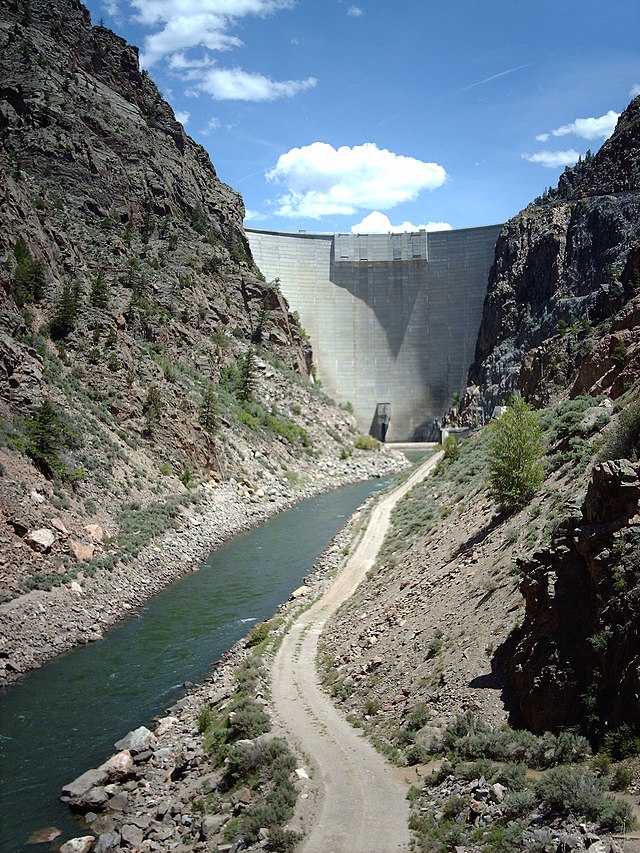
column 577, row 663
column 142, row 353
column 565, row 268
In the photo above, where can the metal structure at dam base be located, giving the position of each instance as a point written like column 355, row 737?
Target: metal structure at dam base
column 393, row 318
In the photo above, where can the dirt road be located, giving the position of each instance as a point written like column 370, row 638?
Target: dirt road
column 359, row 807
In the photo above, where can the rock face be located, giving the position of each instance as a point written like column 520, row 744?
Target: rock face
column 569, row 261
column 579, row 655
column 129, row 304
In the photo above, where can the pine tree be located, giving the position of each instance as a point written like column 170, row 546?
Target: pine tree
column 152, row 408
column 247, row 378
column 46, row 438
column 516, row 453
column 65, row 313
column 100, row 291
column 209, row 410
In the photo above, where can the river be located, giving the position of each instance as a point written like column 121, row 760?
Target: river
column 64, row 718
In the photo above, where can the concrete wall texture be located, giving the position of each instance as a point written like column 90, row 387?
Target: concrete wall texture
column 393, row 318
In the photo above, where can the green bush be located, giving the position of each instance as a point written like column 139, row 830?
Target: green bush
column 451, row 448
column 247, row 720
column 366, row 442
column 515, row 455
column 623, row 742
column 258, row 634
column 624, row 441
column 622, row 777
column 205, row 718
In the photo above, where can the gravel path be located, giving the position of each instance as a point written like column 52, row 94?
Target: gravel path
column 360, row 805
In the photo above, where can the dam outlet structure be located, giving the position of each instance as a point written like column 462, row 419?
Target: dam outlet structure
column 393, row 318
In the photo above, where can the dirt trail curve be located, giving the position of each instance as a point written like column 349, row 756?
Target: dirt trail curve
column 361, row 807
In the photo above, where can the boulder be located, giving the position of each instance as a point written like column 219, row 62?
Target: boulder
column 131, row 835
column 40, row 540
column 300, row 591
column 211, row 825
column 107, row 842
column 82, row 844
column 137, row 741
column 81, row 551
column 165, row 724
column 84, row 783
column 44, row 836
column 95, row 531
column 119, row 766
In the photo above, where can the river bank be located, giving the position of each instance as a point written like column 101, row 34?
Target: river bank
column 173, row 778
column 42, row 624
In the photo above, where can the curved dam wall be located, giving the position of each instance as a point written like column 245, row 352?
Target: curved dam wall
column 393, row 318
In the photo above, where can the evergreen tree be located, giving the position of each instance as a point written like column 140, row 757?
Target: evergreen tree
column 209, row 410
column 152, row 408
column 28, row 277
column 65, row 313
column 100, row 291
column 516, row 452
column 247, row 377
column 46, row 438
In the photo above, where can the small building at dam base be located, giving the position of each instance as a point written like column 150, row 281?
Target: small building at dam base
column 393, row 318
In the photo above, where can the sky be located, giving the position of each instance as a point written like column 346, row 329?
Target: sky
column 386, row 115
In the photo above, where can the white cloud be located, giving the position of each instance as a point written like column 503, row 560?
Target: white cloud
column 586, row 128
column 635, row 90
column 322, row 180
column 379, row 223
column 182, row 116
column 254, row 216
column 210, row 126
column 181, row 25
column 234, row 84
column 553, row 159
column 354, row 11
column 590, row 128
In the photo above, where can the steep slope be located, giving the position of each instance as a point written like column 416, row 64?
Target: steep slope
column 141, row 351
column 564, row 269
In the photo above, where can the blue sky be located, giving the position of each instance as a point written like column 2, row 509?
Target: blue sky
column 369, row 115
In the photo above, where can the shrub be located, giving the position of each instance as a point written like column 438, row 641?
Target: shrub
column 451, row 448
column 576, row 791
column 247, row 720
column 622, row 777
column 258, row 634
column 205, row 718
column 515, row 454
column 417, row 754
column 624, row 442
column 366, row 442
column 624, row 742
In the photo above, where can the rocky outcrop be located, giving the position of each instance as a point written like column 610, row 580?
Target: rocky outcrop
column 578, row 660
column 563, row 266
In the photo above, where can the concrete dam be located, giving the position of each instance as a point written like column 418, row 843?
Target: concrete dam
column 393, row 318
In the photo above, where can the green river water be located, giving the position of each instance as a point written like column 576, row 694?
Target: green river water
column 65, row 717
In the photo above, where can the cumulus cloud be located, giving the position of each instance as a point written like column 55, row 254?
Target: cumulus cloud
column 590, row 128
column 553, row 159
column 635, row 90
column 322, row 180
column 379, row 223
column 234, row 84
column 183, row 116
column 354, row 11
column 182, row 25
